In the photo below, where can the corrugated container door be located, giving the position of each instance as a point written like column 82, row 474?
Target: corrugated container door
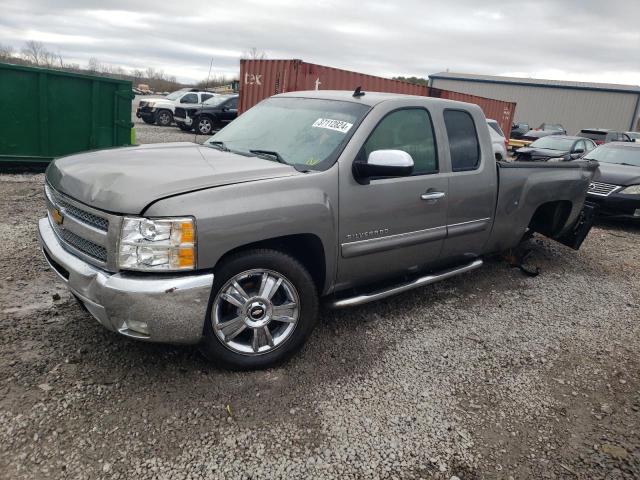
column 260, row 79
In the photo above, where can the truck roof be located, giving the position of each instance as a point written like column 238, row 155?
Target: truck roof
column 369, row 98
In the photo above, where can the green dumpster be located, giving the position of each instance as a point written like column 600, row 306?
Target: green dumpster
column 49, row 113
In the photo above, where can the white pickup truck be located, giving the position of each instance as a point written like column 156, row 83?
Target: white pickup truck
column 161, row 110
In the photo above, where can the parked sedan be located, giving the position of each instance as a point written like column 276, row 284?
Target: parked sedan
column 603, row 135
column 557, row 147
column 544, row 130
column 616, row 185
column 635, row 136
column 213, row 114
column 519, row 129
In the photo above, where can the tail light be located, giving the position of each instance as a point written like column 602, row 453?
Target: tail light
column 599, row 142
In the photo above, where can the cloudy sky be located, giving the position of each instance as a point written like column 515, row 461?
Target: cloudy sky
column 583, row 40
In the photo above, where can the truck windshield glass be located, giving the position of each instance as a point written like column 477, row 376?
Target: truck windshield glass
column 302, row 131
column 553, row 143
column 496, row 127
column 614, row 154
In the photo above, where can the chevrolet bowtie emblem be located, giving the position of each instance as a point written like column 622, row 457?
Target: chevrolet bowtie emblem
column 57, row 216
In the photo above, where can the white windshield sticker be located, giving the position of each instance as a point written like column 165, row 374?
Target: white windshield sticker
column 337, row 125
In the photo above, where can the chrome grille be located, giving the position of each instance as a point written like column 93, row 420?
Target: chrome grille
column 85, row 246
column 82, row 215
column 84, row 231
column 602, row 189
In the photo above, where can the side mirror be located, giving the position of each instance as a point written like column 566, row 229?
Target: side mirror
column 579, row 150
column 384, row 163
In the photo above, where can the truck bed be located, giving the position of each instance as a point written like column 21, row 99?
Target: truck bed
column 545, row 197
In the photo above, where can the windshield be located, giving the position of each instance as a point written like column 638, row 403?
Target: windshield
column 634, row 135
column 551, row 126
column 553, row 143
column 213, row 101
column 615, row 154
column 300, row 131
column 175, row 95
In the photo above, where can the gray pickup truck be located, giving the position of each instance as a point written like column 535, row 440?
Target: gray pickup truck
column 329, row 195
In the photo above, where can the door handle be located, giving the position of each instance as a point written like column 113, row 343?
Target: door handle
column 432, row 195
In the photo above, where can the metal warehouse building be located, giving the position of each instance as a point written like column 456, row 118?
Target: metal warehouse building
column 576, row 105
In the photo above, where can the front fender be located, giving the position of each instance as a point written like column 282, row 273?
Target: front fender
column 232, row 216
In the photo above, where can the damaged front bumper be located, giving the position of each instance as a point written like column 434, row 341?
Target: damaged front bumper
column 156, row 308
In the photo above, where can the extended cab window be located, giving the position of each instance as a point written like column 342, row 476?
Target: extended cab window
column 189, row 98
column 411, row 131
column 205, row 96
column 463, row 140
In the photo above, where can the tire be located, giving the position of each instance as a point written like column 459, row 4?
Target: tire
column 184, row 128
column 235, row 332
column 164, row 118
column 150, row 121
column 204, row 125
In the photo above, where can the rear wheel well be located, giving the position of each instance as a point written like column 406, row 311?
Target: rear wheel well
column 306, row 248
column 550, row 218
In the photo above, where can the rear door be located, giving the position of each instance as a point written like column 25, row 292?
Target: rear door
column 472, row 185
column 392, row 225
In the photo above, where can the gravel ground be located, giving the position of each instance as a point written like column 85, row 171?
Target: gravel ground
column 488, row 375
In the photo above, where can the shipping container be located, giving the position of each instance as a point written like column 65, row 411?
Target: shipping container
column 260, row 79
column 49, row 113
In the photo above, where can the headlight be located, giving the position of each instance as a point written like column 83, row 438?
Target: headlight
column 631, row 190
column 150, row 104
column 166, row 244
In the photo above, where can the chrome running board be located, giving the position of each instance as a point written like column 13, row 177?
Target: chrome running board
column 403, row 287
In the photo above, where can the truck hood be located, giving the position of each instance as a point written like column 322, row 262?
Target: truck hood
column 158, row 102
column 128, row 179
column 616, row 174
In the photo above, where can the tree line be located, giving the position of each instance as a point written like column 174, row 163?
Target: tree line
column 35, row 53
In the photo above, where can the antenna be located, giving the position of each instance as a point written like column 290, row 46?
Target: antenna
column 209, row 75
column 206, row 89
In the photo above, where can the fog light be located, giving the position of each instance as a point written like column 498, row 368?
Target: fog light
column 637, row 212
column 137, row 326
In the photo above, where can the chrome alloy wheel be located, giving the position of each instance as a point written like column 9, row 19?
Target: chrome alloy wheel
column 205, row 126
column 255, row 312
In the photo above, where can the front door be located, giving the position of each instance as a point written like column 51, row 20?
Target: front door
column 392, row 226
column 229, row 111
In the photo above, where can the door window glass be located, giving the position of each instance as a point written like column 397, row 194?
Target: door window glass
column 411, row 131
column 463, row 140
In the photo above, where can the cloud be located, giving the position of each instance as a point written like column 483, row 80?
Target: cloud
column 571, row 39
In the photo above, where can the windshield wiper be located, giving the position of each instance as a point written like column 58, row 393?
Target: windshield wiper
column 219, row 145
column 269, row 153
